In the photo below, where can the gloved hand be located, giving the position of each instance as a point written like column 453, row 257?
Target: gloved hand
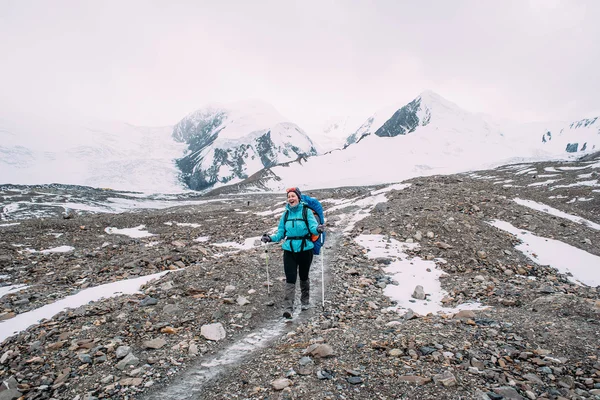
column 265, row 238
column 320, row 228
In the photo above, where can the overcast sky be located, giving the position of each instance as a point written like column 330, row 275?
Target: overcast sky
column 152, row 62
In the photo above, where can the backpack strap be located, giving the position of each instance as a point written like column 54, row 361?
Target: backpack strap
column 303, row 238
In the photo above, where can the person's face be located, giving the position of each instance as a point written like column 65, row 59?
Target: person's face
column 292, row 199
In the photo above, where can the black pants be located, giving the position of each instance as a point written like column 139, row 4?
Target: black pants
column 294, row 263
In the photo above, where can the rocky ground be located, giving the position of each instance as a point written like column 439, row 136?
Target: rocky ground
column 539, row 338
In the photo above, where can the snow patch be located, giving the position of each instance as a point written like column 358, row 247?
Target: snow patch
column 137, row 232
column 583, row 266
column 410, row 272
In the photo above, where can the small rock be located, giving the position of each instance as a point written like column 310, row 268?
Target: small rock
column 354, row 380
column 193, row 349
column 155, row 343
column 419, row 293
column 320, row 350
column 306, row 361
column 171, row 309
column 229, row 289
column 464, row 314
column 396, row 353
column 129, row 360
column 84, row 358
column 242, row 301
column 446, row 378
column 508, row 393
column 323, row 374
column 418, row 380
column 148, row 301
column 8, row 389
column 131, row 381
column 280, row 384
column 122, row 351
column 214, row 331
column 169, row 329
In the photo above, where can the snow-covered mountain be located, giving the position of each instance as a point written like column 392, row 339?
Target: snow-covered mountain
column 219, row 145
column 333, row 133
column 228, row 143
column 578, row 136
column 431, row 135
column 91, row 153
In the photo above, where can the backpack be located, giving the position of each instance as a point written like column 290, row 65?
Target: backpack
column 317, row 209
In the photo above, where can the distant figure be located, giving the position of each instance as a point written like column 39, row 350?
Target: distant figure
column 248, row 203
column 296, row 226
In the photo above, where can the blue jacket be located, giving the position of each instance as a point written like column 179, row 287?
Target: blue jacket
column 296, row 227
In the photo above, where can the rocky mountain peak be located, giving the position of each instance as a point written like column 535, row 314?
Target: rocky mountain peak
column 228, row 143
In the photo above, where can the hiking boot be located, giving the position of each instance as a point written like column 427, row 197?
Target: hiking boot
column 305, row 294
column 288, row 299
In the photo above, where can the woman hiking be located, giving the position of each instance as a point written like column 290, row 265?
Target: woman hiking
column 296, row 226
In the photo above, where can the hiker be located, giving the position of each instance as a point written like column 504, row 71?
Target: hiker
column 296, row 226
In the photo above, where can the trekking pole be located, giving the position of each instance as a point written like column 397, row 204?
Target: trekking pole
column 267, row 262
column 322, row 273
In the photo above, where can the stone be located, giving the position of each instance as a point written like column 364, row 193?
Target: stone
column 63, row 376
column 354, row 380
column 155, row 343
column 323, row 374
column 170, row 309
column 306, row 361
column 566, row 381
column 320, row 350
column 464, row 314
column 7, row 315
column 8, row 354
column 131, row 381
column 8, row 389
column 129, row 360
column 445, row 378
column 280, row 384
column 193, row 349
column 410, row 314
column 148, row 301
column 242, row 301
column 213, row 332
column 508, row 393
column 533, row 378
column 396, row 353
column 417, row 380
column 56, row 345
column 84, row 358
column 229, row 289
column 169, row 329
column 122, row 351
column 419, row 293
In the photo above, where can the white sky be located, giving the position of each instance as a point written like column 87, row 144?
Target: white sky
column 152, row 62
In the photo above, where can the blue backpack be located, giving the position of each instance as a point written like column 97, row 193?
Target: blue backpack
column 317, row 209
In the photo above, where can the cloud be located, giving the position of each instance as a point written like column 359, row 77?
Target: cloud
column 151, row 63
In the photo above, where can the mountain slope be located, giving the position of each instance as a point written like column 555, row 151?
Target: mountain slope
column 431, row 135
column 226, row 144
column 90, row 153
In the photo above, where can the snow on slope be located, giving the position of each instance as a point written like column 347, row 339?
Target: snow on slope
column 445, row 140
column 226, row 144
column 97, row 154
column 332, row 133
